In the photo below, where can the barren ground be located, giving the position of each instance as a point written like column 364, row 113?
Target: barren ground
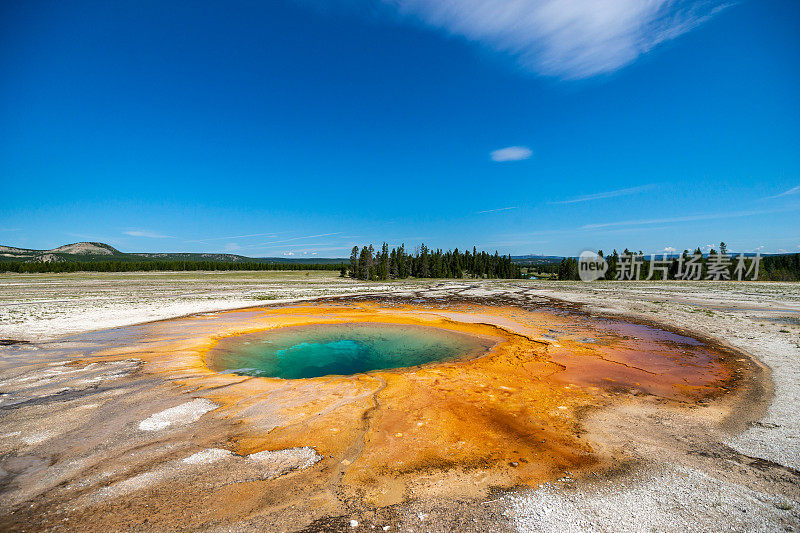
column 727, row 465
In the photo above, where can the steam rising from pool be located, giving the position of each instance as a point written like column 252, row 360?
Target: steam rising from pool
column 340, row 349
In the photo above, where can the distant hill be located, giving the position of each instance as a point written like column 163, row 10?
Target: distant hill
column 233, row 258
column 88, row 252
column 529, row 260
column 185, row 256
column 79, row 251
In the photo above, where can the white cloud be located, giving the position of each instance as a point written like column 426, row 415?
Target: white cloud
column 569, row 39
column 793, row 190
column 607, row 194
column 511, row 153
column 495, row 210
column 339, row 251
column 690, row 218
column 239, row 237
column 232, row 247
column 669, row 249
column 206, row 240
column 296, row 239
column 148, row 234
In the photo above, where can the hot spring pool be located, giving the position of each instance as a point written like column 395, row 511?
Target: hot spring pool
column 340, row 349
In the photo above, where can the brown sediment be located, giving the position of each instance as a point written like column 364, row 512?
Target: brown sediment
column 458, row 429
column 11, row 342
column 508, row 418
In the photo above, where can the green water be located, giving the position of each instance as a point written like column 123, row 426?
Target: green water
column 340, row 349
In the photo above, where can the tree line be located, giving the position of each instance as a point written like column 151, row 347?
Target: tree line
column 368, row 264
column 785, row 267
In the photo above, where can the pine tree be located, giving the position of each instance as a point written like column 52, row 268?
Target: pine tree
column 364, row 263
column 424, row 267
column 372, row 270
column 354, row 262
column 402, row 262
column 394, row 268
column 383, row 265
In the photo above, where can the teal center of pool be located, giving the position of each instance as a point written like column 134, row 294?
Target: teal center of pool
column 340, row 349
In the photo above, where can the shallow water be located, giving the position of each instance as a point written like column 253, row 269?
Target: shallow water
column 340, row 349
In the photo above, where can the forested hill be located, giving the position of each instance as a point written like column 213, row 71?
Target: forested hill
column 83, row 251
column 87, row 252
column 100, row 257
column 773, row 267
column 366, row 263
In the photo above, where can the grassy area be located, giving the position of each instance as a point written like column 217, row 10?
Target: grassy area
column 168, row 275
column 532, row 272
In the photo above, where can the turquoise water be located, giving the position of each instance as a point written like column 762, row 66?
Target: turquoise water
column 340, row 349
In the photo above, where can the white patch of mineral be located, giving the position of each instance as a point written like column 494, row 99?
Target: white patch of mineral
column 208, row 456
column 281, row 461
column 180, row 415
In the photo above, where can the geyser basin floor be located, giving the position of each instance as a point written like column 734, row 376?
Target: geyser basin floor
column 340, row 349
column 454, row 429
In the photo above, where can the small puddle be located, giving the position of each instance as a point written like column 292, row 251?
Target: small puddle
column 794, row 321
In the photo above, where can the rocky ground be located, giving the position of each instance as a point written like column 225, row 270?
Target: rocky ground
column 41, row 307
column 731, row 487
column 676, row 470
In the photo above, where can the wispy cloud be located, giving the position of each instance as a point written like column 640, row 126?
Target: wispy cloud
column 496, row 210
column 281, row 241
column 300, row 238
column 793, row 190
column 568, row 39
column 508, row 243
column 147, row 234
column 689, row 218
column 303, row 244
column 511, row 153
column 607, row 194
column 317, row 251
column 234, row 237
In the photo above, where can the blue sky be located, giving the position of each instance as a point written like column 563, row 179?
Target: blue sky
column 278, row 128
